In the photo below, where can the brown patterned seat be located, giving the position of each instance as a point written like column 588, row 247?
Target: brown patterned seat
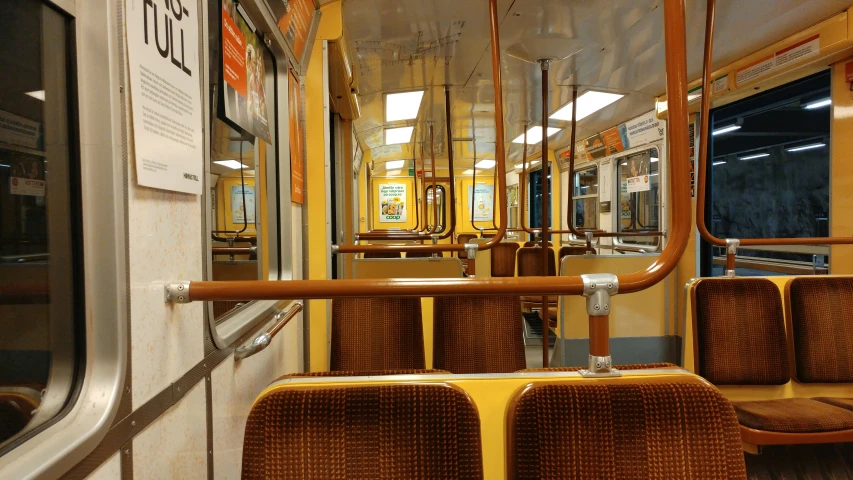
column 388, row 431
column 530, row 262
column 739, row 330
column 821, row 320
column 634, row 366
column 642, row 430
column 478, row 334
column 503, row 259
column 845, row 403
column 377, row 334
column 381, row 255
column 793, row 415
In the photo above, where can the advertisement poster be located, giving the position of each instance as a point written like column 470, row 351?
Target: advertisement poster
column 237, row 210
column 605, row 172
column 624, row 201
column 480, row 199
column 642, row 130
column 512, row 195
column 392, row 203
column 164, row 64
column 21, row 131
column 638, row 184
column 603, row 144
column 26, row 175
column 294, row 21
column 297, row 168
column 243, row 72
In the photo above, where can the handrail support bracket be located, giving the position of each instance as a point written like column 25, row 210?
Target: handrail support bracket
column 732, row 245
column 598, row 288
column 177, row 292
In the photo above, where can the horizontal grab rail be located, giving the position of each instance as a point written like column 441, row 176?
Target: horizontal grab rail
column 263, row 340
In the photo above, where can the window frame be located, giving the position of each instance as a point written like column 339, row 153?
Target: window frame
column 572, row 179
column 625, row 242
column 275, row 235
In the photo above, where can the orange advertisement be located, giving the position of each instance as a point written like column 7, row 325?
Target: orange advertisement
column 605, row 143
column 297, row 177
column 294, row 21
column 233, row 54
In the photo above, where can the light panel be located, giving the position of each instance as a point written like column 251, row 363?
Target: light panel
column 805, row 147
column 394, row 136
column 232, row 164
column 719, row 163
column 818, row 104
column 403, row 106
column 394, row 164
column 588, row 103
column 730, row 128
column 520, row 166
column 485, row 164
column 754, row 156
column 534, row 135
column 39, row 94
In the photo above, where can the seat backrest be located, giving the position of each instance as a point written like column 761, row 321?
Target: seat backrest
column 639, row 430
column 377, row 334
column 383, row 431
column 381, row 255
column 423, row 254
column 478, row 334
column 575, row 250
column 503, row 259
column 530, row 262
column 820, row 314
column 739, row 332
column 462, row 239
column 535, row 244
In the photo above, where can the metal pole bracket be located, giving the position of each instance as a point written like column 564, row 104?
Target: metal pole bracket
column 598, row 288
column 177, row 292
column 471, row 249
column 732, row 245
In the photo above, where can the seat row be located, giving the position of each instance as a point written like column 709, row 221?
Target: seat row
column 786, row 365
column 643, row 425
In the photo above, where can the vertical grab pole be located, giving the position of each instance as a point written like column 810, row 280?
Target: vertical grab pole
column 546, row 169
column 570, row 211
column 434, row 186
column 452, row 201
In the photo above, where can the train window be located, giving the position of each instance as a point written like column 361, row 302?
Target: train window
column 243, row 170
column 41, row 285
column 585, row 198
column 639, row 197
column 534, row 200
column 442, row 208
column 768, row 172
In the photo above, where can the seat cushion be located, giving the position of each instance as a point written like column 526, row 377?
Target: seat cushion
column 793, row 415
column 845, row 403
column 364, row 373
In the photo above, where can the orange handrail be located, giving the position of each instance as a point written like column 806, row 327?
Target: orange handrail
column 703, row 161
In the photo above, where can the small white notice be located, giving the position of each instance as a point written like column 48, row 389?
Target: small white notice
column 639, row 184
column 162, row 42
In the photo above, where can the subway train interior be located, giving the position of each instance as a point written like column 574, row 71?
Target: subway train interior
column 426, row 239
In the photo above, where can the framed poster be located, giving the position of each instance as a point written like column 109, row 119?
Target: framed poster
column 480, row 199
column 392, row 203
column 297, row 164
column 238, row 210
column 243, row 94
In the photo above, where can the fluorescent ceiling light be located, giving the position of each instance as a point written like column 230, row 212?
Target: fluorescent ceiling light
column 719, row 163
column 232, row 164
column 534, row 135
column 624, row 163
column 520, row 166
column 468, row 172
column 394, row 164
column 730, row 128
column 588, row 103
column 394, row 136
column 752, row 157
column 393, row 172
column 654, row 159
column 4, row 165
column 485, row 164
column 39, row 94
column 402, row 106
column 818, row 104
column 805, row 147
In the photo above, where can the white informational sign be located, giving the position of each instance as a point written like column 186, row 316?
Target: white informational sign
column 237, row 210
column 604, row 175
column 392, row 203
column 480, row 199
column 162, row 41
column 639, row 184
column 26, row 186
column 21, row 131
column 790, row 55
column 642, row 130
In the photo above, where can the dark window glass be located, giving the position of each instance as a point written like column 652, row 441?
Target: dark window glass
column 769, row 174
column 40, row 278
column 639, row 196
column 585, row 198
column 534, row 201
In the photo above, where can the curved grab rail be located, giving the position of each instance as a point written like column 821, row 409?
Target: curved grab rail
column 731, row 244
column 263, row 340
column 676, row 81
